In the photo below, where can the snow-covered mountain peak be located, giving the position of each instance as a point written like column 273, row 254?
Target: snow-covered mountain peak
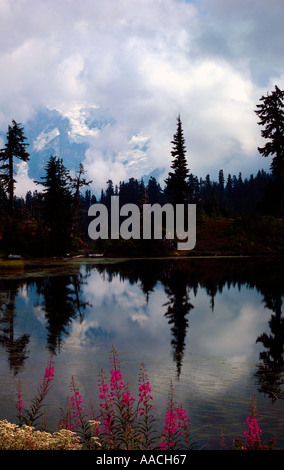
column 82, row 119
column 85, row 134
column 44, row 138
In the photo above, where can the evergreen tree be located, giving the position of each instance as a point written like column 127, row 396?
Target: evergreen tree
column 177, row 186
column 221, row 180
column 229, row 185
column 3, row 198
column 142, row 193
column 15, row 148
column 77, row 183
column 133, row 191
column 194, row 188
column 220, row 187
column 154, row 191
column 103, row 197
column 87, row 197
column 271, row 114
column 57, row 205
column 109, row 192
column 208, row 186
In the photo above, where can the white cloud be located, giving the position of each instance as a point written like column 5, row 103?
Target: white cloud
column 23, row 182
column 141, row 63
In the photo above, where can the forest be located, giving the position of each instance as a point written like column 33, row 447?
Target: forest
column 235, row 215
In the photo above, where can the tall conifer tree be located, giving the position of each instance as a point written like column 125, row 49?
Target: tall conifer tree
column 177, row 185
column 271, row 114
column 57, row 202
column 77, row 183
column 15, row 148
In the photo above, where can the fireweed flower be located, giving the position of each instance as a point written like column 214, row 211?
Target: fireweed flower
column 169, row 435
column 127, row 399
column 116, row 382
column 184, row 423
column 176, row 424
column 117, row 411
column 145, row 396
column 105, row 396
column 80, row 418
column 145, row 406
column 253, row 432
column 119, row 391
column 126, row 418
column 76, row 401
column 144, row 393
column 106, row 405
column 34, row 413
column 184, row 420
column 125, row 407
column 49, row 372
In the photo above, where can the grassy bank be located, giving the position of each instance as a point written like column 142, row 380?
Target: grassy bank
column 250, row 235
column 11, row 264
column 239, row 236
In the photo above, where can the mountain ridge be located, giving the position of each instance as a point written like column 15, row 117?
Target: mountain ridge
column 69, row 133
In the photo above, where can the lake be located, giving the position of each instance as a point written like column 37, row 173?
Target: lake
column 212, row 326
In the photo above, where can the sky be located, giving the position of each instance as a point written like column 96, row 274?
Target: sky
column 139, row 64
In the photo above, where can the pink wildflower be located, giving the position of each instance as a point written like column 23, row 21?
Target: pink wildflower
column 104, row 392
column 49, row 371
column 144, row 392
column 76, row 401
column 177, row 423
column 106, row 406
column 116, row 382
column 34, row 413
column 127, row 399
column 119, row 391
column 253, row 432
column 170, row 428
column 184, row 420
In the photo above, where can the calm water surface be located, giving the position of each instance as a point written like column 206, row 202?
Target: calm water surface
column 214, row 327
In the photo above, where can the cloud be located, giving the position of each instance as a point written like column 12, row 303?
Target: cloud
column 140, row 63
column 23, row 181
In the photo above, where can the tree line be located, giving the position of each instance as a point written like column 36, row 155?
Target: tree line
column 55, row 220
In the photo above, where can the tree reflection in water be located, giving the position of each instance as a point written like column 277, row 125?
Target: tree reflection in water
column 15, row 347
column 179, row 307
column 270, row 372
column 62, row 301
